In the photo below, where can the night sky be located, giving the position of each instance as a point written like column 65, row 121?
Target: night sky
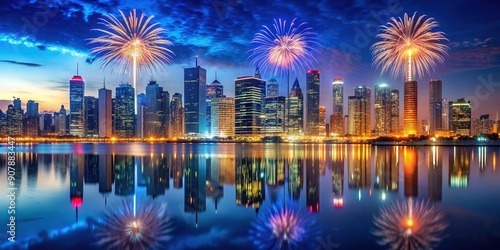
column 41, row 44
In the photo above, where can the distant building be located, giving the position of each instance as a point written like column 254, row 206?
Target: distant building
column 445, row 116
column 76, row 92
column 32, row 108
column 395, row 111
column 410, row 108
column 249, row 104
column 360, row 114
column 322, row 121
column 176, row 116
column 14, row 119
column 223, row 117
column 312, row 102
column 31, row 122
column 214, row 90
column 483, row 125
column 273, row 88
column 383, row 109
column 125, row 111
column 105, row 113
column 460, row 117
column 91, row 116
column 337, row 117
column 195, row 81
column 157, row 111
column 60, row 122
column 435, row 106
column 275, row 114
column 141, row 109
column 355, row 115
column 295, row 111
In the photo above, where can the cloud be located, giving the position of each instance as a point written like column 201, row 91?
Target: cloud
column 211, row 238
column 470, row 59
column 22, row 63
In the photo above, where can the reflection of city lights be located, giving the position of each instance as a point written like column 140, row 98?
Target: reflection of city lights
column 383, row 196
column 410, row 225
column 338, row 202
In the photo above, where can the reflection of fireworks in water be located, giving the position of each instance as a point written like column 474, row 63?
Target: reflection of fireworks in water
column 409, row 225
column 284, row 227
column 149, row 229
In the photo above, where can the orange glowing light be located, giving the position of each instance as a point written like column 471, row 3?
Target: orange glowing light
column 409, row 222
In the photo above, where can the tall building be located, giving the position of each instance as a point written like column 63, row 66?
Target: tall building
column 214, row 90
column 60, row 122
column 460, row 117
column 365, row 123
column 435, row 106
column 125, row 111
column 273, row 88
column 249, row 101
column 90, row 116
column 32, row 108
column 322, row 121
column 395, row 111
column 141, row 110
column 483, row 125
column 17, row 104
column 383, row 109
column 222, row 117
column 157, row 111
column 31, row 122
column 14, row 119
column 176, row 116
column 355, row 115
column 195, row 81
column 105, row 113
column 410, row 114
column 445, row 114
column 275, row 114
column 76, row 91
column 295, row 110
column 312, row 102
column 337, row 117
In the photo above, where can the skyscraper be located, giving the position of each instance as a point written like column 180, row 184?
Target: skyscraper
column 435, row 106
column 141, row 110
column 395, row 111
column 176, row 116
column 32, row 108
column 76, row 91
column 410, row 108
column 125, row 111
column 31, row 122
column 355, row 114
column 273, row 87
column 383, row 109
column 105, row 113
column 157, row 111
column 337, row 117
column 445, row 114
column 90, row 116
column 295, row 111
column 14, row 119
column 250, row 93
column 275, row 114
column 312, row 102
column 195, row 81
column 222, row 117
column 60, row 122
column 365, row 124
column 322, row 121
column 214, row 90
column 460, row 117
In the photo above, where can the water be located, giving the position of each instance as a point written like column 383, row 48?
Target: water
column 214, row 193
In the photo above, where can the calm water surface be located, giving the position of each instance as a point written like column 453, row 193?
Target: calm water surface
column 216, row 193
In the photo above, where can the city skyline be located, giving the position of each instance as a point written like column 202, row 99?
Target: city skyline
column 462, row 73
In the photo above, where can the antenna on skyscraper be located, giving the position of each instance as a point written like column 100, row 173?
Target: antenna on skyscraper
column 104, row 82
column 76, row 68
column 215, row 74
column 196, row 61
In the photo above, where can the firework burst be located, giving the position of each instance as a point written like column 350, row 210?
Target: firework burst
column 409, row 46
column 120, row 229
column 409, row 225
column 284, row 227
column 284, row 47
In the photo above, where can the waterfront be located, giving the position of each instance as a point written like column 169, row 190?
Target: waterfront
column 214, row 192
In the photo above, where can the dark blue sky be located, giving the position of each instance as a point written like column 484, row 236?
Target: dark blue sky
column 40, row 45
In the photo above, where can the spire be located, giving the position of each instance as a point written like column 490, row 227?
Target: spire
column 296, row 84
column 104, row 83
column 216, row 74
column 257, row 72
column 76, row 68
column 196, row 61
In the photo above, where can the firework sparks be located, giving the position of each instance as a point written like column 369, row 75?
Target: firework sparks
column 283, row 227
column 120, row 229
column 409, row 225
column 287, row 47
column 409, row 46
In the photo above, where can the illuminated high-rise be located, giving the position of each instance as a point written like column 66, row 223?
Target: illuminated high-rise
column 105, row 113
column 222, row 117
column 364, row 93
column 91, row 116
column 157, row 111
column 275, row 114
column 322, row 121
column 125, row 111
column 337, row 117
column 445, row 114
column 312, row 102
column 272, row 87
column 14, row 120
column 460, row 117
column 176, row 116
column 31, row 121
column 355, row 114
column 410, row 113
column 435, row 106
column 214, row 90
column 295, row 111
column 76, row 91
column 250, row 93
column 395, row 111
column 195, row 103
column 383, row 109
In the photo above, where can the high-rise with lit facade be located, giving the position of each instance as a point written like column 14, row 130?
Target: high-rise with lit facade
column 195, row 106
column 31, row 121
column 60, row 122
column 250, row 93
column 312, row 102
column 176, row 116
column 364, row 93
column 32, row 108
column 14, row 120
column 394, row 111
column 322, row 121
column 90, row 116
column 273, row 88
column 435, row 106
column 125, row 111
column 141, row 112
column 337, row 117
column 222, row 117
column 383, row 109
column 295, row 110
column 76, row 91
column 355, row 115
column 410, row 113
column 445, row 114
column 157, row 111
column 214, row 90
column 275, row 114
column 460, row 117
column 105, row 113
